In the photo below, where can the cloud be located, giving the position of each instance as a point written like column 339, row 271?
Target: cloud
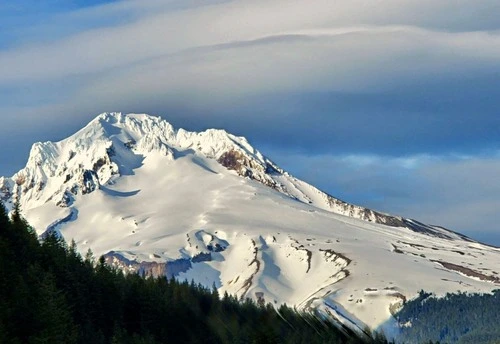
column 352, row 84
column 171, row 28
column 214, row 52
column 387, row 103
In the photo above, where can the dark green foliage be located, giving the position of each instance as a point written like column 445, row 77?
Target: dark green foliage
column 455, row 318
column 50, row 294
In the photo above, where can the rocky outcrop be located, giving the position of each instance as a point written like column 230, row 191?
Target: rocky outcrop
column 88, row 182
column 468, row 272
column 5, row 190
column 239, row 162
column 247, row 167
column 168, row 269
column 337, row 258
column 365, row 214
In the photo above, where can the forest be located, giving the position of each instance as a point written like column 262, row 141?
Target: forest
column 456, row 318
column 49, row 293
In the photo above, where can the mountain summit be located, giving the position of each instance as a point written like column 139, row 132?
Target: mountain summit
column 208, row 206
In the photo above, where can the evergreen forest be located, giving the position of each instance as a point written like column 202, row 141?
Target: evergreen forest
column 456, row 318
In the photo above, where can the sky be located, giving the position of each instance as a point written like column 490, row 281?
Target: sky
column 390, row 104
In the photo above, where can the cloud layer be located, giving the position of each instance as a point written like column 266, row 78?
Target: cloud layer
column 411, row 69
column 327, row 79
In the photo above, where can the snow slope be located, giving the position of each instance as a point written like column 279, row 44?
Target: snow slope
column 208, row 206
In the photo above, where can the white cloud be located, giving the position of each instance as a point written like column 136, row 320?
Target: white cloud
column 140, row 55
column 213, row 52
column 369, row 33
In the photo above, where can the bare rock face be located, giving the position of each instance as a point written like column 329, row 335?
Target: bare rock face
column 88, row 182
column 166, row 269
column 250, row 168
column 104, row 167
column 338, row 258
column 152, row 269
column 5, row 190
column 369, row 215
column 364, row 213
column 64, row 199
column 467, row 271
column 237, row 161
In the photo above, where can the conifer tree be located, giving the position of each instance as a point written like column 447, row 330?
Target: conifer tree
column 4, row 218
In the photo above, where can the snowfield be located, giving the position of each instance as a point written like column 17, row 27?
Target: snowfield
column 209, row 207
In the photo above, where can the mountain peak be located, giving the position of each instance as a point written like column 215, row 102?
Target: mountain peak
column 115, row 144
column 111, row 145
column 210, row 207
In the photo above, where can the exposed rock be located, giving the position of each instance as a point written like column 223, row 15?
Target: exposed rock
column 468, row 272
column 369, row 215
column 251, row 168
column 308, row 253
column 100, row 163
column 5, row 190
column 237, row 161
column 396, row 249
column 338, row 258
column 88, row 182
column 40, row 186
column 64, row 199
column 168, row 269
column 216, row 248
column 255, row 261
column 396, row 306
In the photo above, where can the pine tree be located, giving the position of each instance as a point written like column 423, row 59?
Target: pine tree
column 89, row 258
column 52, row 313
column 4, row 218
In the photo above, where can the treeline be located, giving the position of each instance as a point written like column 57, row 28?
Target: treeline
column 50, row 294
column 456, row 318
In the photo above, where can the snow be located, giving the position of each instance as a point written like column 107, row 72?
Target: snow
column 159, row 194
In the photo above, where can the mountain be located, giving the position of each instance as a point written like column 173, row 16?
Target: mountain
column 208, row 206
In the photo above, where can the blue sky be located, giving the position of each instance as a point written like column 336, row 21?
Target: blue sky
column 388, row 104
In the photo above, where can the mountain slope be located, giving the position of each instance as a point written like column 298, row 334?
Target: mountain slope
column 50, row 294
column 208, row 206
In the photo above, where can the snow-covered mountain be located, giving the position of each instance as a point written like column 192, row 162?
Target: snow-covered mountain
column 208, row 206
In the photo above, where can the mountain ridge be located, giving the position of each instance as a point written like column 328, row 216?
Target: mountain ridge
column 155, row 134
